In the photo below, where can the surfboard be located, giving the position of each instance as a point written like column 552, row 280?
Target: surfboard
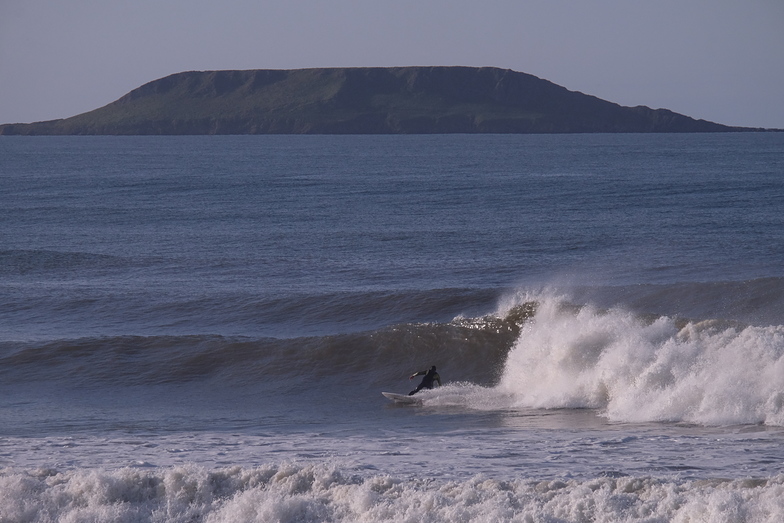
column 401, row 398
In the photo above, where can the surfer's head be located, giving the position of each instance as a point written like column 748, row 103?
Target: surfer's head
column 433, row 368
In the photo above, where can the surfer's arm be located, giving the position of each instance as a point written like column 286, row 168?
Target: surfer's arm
column 420, row 373
column 438, row 379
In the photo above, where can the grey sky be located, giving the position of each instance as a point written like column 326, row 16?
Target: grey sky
column 720, row 60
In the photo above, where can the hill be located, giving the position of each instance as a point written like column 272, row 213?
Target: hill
column 408, row 100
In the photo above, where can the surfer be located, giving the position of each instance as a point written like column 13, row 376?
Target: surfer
column 427, row 382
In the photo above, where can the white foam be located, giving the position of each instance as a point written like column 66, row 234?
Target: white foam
column 707, row 373
column 326, row 492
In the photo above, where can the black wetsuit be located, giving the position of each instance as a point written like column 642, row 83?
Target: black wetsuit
column 427, row 382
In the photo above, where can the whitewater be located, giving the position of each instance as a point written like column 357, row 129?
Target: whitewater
column 199, row 328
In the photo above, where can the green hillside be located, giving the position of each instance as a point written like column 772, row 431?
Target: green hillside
column 361, row 101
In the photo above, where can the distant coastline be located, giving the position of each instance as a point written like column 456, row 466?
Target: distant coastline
column 376, row 100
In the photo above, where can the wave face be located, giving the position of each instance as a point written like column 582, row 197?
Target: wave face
column 472, row 349
column 328, row 492
column 647, row 368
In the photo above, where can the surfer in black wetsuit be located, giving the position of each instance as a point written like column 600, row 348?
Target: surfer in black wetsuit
column 427, row 382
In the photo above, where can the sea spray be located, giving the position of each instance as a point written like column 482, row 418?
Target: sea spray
column 638, row 369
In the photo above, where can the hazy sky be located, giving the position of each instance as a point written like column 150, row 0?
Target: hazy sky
column 720, row 60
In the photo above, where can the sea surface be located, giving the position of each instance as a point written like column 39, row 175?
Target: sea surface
column 199, row 329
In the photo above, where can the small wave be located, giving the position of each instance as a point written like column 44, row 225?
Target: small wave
column 331, row 492
column 89, row 306
column 20, row 262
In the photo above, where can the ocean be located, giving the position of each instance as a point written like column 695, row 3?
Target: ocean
column 199, row 329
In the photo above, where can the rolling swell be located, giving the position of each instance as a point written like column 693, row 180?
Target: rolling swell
column 467, row 349
column 22, row 262
column 757, row 301
column 90, row 307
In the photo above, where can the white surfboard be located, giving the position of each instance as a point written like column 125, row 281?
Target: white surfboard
column 401, row 398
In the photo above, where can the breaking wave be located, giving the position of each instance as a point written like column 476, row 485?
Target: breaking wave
column 544, row 350
column 329, row 492
column 639, row 368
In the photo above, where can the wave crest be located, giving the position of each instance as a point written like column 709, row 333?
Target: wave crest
column 639, row 369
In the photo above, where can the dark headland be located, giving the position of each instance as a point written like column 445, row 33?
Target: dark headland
column 395, row 100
